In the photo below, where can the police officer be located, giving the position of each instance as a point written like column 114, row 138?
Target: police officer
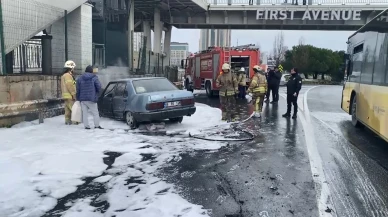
column 258, row 88
column 294, row 85
column 228, row 84
column 242, row 83
column 274, row 77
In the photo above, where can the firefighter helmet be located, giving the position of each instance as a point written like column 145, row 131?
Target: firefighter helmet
column 70, row 64
column 242, row 69
column 225, row 66
column 258, row 68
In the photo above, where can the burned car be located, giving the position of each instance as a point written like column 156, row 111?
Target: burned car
column 137, row 100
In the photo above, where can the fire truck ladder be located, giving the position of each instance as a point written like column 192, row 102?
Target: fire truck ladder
column 227, row 55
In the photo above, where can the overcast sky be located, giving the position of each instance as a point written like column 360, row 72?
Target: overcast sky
column 325, row 39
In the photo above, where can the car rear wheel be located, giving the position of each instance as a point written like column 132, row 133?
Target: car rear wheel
column 176, row 120
column 355, row 121
column 131, row 121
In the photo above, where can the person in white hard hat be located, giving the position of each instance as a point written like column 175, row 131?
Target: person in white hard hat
column 68, row 90
column 242, row 83
column 228, row 84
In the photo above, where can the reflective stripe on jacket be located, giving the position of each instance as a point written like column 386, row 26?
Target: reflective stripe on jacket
column 258, row 84
column 228, row 84
column 68, row 86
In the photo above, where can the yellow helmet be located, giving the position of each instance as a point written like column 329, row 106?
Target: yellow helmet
column 70, row 64
column 225, row 66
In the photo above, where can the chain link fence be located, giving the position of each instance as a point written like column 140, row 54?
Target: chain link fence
column 21, row 21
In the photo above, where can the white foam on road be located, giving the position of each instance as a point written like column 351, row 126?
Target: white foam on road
column 41, row 163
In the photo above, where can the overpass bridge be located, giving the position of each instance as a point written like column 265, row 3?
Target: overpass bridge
column 339, row 15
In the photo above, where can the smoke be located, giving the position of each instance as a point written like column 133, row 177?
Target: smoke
column 112, row 73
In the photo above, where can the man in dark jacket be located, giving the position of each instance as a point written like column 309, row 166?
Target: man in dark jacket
column 274, row 77
column 88, row 87
column 294, row 85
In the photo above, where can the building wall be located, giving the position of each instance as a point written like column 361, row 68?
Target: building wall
column 215, row 37
column 178, row 51
column 79, row 39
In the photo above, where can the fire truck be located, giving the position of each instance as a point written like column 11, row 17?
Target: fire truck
column 203, row 68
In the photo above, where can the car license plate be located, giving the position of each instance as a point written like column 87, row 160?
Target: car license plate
column 172, row 104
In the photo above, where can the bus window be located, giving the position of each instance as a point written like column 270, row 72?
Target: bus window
column 369, row 60
column 356, row 63
column 381, row 59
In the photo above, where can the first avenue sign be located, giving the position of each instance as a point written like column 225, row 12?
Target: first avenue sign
column 309, row 15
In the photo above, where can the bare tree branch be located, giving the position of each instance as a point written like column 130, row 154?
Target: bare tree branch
column 278, row 48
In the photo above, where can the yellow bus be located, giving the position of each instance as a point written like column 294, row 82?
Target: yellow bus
column 365, row 92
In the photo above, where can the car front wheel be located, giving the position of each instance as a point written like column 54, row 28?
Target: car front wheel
column 176, row 120
column 131, row 121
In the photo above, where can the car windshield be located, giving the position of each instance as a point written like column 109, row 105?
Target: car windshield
column 153, row 85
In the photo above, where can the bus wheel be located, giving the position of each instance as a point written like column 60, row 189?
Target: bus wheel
column 355, row 121
column 208, row 88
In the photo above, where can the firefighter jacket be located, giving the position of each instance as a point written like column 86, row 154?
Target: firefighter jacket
column 228, row 84
column 242, row 81
column 68, row 86
column 258, row 84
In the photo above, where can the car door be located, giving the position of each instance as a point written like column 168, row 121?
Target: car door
column 106, row 99
column 119, row 100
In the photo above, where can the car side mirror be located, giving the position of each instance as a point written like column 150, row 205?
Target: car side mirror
column 125, row 93
column 109, row 95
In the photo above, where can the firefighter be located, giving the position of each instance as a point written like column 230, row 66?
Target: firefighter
column 258, row 88
column 228, row 84
column 242, row 83
column 68, row 90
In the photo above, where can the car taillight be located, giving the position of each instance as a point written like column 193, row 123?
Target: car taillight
column 154, row 106
column 188, row 102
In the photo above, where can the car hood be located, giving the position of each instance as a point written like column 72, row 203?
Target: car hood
column 169, row 95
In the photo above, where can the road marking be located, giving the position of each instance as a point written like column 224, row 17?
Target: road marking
column 321, row 186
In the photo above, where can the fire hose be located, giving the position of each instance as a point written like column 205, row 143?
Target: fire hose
column 250, row 135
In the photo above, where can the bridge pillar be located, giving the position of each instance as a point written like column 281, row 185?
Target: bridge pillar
column 166, row 44
column 147, row 34
column 157, row 31
column 131, row 28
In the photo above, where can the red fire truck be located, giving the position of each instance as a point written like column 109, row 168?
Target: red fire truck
column 203, row 68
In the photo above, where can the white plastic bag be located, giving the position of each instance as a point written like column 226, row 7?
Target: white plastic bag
column 248, row 97
column 76, row 112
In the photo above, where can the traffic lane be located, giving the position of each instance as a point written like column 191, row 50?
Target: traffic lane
column 354, row 161
column 324, row 104
column 269, row 176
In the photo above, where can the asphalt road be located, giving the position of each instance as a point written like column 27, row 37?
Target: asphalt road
column 269, row 176
column 355, row 161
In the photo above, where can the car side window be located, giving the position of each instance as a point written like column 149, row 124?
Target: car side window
column 120, row 89
column 109, row 89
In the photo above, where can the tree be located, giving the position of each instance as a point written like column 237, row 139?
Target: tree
column 316, row 61
column 279, row 48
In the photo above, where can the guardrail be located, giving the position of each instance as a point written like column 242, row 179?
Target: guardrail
column 299, row 2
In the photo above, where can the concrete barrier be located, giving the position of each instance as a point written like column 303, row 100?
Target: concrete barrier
column 14, row 113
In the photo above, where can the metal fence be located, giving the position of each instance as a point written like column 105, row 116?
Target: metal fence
column 300, row 2
column 28, row 57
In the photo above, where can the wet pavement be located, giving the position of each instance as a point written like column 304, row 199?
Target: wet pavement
column 269, row 176
column 355, row 161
